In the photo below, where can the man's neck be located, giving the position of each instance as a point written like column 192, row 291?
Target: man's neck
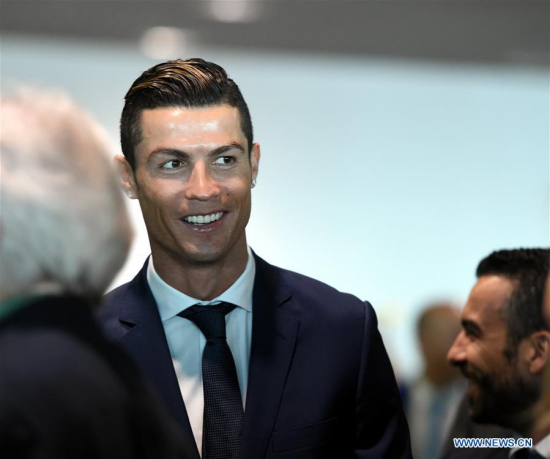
column 529, row 425
column 540, row 427
column 201, row 280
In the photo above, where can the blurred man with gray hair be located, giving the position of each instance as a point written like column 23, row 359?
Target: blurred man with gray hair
column 65, row 391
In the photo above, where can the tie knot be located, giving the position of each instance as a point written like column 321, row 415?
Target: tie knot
column 209, row 319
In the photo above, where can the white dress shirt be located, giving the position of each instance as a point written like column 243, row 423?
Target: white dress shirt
column 543, row 447
column 186, row 341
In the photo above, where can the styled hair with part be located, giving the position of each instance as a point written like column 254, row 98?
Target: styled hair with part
column 528, row 270
column 179, row 83
column 62, row 216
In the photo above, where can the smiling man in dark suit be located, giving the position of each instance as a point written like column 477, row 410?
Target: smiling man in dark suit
column 254, row 360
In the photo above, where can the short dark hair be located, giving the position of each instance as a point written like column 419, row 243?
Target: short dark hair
column 179, row 83
column 528, row 270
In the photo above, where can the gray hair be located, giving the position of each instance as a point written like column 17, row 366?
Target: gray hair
column 62, row 216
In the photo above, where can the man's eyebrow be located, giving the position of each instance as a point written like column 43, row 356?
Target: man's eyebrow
column 180, row 154
column 169, row 152
column 225, row 148
column 471, row 327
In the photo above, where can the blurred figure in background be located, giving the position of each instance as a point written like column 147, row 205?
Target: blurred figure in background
column 504, row 348
column 433, row 399
column 65, row 391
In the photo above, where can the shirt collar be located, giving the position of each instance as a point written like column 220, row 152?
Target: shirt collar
column 171, row 302
column 542, row 447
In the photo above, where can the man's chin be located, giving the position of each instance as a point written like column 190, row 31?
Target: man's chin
column 204, row 256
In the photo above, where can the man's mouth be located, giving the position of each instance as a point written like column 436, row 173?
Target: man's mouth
column 203, row 219
column 474, row 377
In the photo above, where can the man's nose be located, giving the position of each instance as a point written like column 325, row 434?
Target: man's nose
column 457, row 352
column 201, row 185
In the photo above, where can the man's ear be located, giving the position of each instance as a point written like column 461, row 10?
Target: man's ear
column 538, row 353
column 255, row 159
column 126, row 176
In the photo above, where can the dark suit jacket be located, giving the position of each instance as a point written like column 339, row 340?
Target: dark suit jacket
column 66, row 392
column 320, row 384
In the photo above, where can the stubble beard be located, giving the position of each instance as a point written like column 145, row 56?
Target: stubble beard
column 502, row 402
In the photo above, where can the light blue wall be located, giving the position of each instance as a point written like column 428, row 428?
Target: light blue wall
column 388, row 179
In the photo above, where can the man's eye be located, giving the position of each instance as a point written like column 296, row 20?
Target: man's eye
column 172, row 164
column 225, row 160
column 471, row 333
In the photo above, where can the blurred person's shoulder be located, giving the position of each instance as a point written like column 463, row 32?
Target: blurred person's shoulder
column 68, row 392
column 114, row 303
column 55, row 343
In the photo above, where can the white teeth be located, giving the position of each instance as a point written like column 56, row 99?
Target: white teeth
column 203, row 219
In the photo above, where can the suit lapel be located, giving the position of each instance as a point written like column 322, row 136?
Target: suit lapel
column 274, row 333
column 146, row 342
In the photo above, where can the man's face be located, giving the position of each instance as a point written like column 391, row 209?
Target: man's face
column 499, row 387
column 193, row 179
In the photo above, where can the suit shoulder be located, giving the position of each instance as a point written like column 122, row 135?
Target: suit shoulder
column 307, row 283
column 109, row 312
column 112, row 301
column 319, row 295
column 116, row 294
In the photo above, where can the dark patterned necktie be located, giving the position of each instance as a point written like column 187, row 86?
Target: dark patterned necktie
column 223, row 407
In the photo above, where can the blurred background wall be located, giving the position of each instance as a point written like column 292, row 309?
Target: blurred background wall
column 402, row 141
